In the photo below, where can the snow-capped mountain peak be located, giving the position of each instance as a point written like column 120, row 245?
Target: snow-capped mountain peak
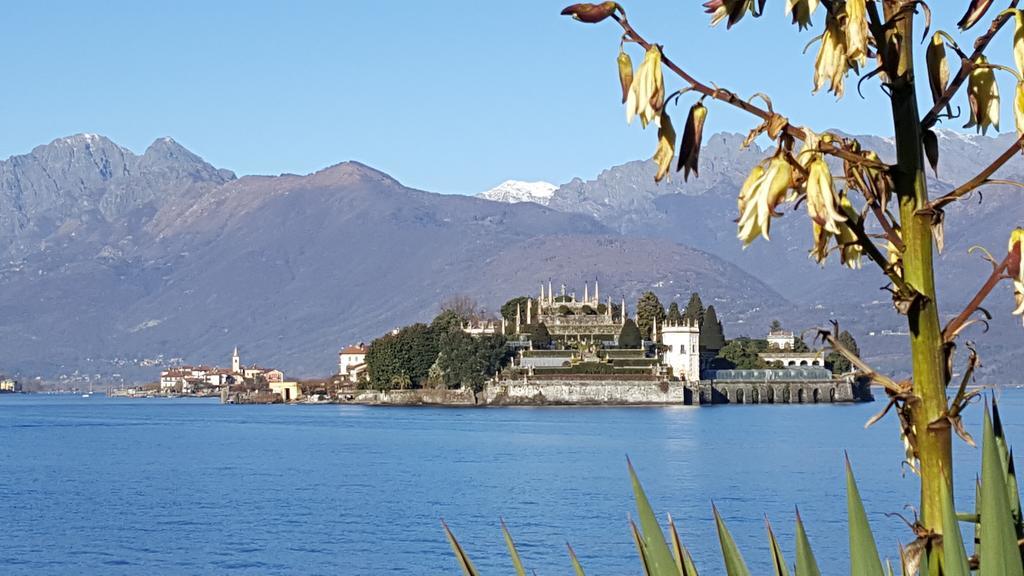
column 513, row 191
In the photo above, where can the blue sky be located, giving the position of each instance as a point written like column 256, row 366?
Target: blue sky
column 451, row 96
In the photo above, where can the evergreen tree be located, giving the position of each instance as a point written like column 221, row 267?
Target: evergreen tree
column 649, row 308
column 508, row 310
column 674, row 316
column 742, row 353
column 839, row 364
column 694, row 310
column 629, row 336
column 711, row 336
column 539, row 335
column 776, row 326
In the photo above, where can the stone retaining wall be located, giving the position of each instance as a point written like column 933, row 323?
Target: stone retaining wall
column 579, row 391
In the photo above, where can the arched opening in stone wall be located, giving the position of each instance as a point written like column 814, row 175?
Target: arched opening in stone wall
column 800, row 396
column 803, row 362
column 791, row 363
column 816, row 396
column 771, row 395
column 832, row 394
column 755, row 395
column 739, row 395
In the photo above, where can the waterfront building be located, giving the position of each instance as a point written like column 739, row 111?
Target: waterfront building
column 9, row 385
column 681, row 342
column 352, row 360
column 288, row 391
column 782, row 351
column 191, row 379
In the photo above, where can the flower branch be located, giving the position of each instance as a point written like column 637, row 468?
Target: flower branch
column 730, row 98
column 980, row 180
column 998, row 273
column 965, row 68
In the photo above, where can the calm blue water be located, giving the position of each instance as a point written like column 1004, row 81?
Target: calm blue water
column 98, row 486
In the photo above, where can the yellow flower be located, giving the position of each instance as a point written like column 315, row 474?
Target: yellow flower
column 850, row 249
column 1018, row 108
column 831, row 64
column 802, row 11
column 666, row 147
column 625, row 73
column 717, row 10
column 857, row 31
column 1016, row 270
column 764, row 189
column 821, row 199
column 1018, row 41
column 647, row 94
column 983, row 96
column 938, row 67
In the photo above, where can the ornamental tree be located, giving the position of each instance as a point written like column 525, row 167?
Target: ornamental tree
column 861, row 210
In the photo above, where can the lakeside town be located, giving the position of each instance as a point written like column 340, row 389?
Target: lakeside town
column 558, row 347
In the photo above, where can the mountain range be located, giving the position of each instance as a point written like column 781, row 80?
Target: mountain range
column 515, row 191
column 113, row 264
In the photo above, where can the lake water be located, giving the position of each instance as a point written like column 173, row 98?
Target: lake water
column 112, row 486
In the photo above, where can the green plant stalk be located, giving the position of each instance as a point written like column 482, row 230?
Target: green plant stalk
column 934, row 445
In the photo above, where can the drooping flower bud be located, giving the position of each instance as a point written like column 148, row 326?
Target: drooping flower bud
column 802, row 11
column 689, row 148
column 821, row 198
column 831, row 64
column 764, row 189
column 974, row 13
column 1018, row 108
column 938, row 67
column 1017, row 270
column 592, row 13
column 666, row 146
column 850, row 250
column 646, row 95
column 625, row 73
column 1018, row 40
column 983, row 96
column 857, row 31
column 717, row 10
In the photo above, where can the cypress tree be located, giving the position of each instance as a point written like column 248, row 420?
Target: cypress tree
column 694, row 310
column 711, row 335
column 629, row 336
column 674, row 316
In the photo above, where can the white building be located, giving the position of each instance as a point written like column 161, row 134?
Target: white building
column 781, row 340
column 682, row 354
column 351, row 360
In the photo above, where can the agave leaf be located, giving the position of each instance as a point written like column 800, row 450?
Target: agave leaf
column 517, row 562
column 641, row 549
column 954, row 555
column 977, row 513
column 577, row 569
column 684, row 562
column 467, row 565
column 659, row 558
column 1000, row 554
column 864, row 559
column 734, row 564
column 1006, row 458
column 778, row 561
column 806, row 565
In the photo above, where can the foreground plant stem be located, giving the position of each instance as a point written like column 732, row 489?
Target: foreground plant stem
column 934, row 445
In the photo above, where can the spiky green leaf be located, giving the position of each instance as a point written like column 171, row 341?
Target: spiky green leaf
column 641, row 548
column 778, row 561
column 1000, row 555
column 864, row 559
column 517, row 562
column 464, row 562
column 576, row 567
column 954, row 555
column 659, row 558
column 734, row 564
column 806, row 564
column 684, row 562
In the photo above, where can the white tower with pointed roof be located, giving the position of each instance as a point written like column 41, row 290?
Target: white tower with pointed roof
column 236, row 362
